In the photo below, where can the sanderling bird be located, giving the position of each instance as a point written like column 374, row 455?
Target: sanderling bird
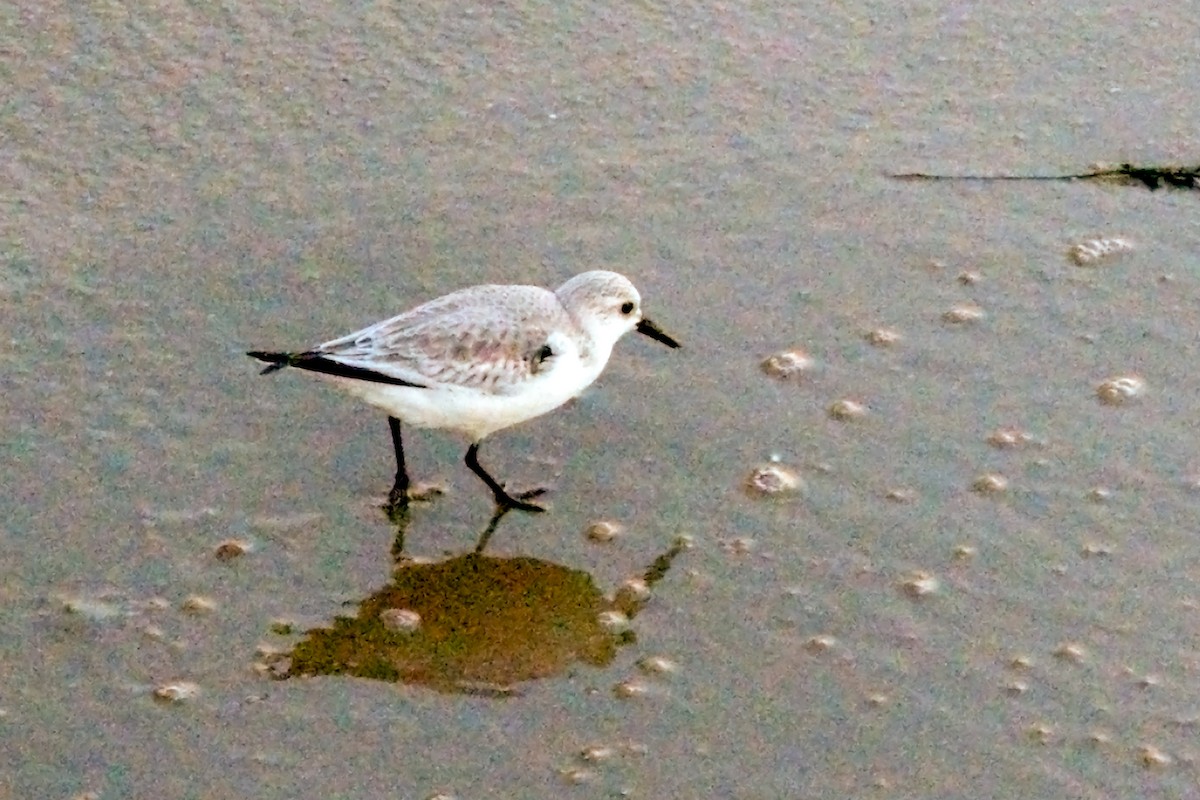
column 481, row 359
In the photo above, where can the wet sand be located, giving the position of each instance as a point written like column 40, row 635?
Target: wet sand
column 980, row 586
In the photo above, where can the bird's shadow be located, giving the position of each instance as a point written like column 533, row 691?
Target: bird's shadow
column 474, row 623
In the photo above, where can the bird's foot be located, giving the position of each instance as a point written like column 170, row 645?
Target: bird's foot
column 520, row 503
column 397, row 498
column 396, row 509
column 401, row 495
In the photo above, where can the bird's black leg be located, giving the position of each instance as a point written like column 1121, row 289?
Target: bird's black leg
column 398, row 497
column 491, row 528
column 503, row 498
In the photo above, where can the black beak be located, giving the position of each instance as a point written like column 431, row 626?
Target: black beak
column 650, row 329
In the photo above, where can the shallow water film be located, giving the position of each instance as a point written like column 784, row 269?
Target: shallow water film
column 912, row 512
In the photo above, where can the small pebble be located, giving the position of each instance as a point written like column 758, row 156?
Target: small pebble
column 657, row 665
column 963, row 315
column 231, row 549
column 1153, row 757
column 1118, row 391
column 603, row 531
column 788, row 364
column 400, row 620
column 1042, row 734
column 1147, row 681
column 1092, row 252
column 920, row 584
column 631, row 595
column 989, row 483
column 631, row 689
column 684, row 541
column 197, row 604
column 1070, row 651
column 772, row 479
column 91, row 609
column 1008, row 438
column 615, row 622
column 598, row 752
column 882, row 337
column 846, row 410
column 820, row 643
column 578, row 776
column 176, row 692
column 1095, row 549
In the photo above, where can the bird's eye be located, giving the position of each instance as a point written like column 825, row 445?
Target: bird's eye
column 627, row 308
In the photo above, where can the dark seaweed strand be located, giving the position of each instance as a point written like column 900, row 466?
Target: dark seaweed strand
column 1153, row 177
column 1128, row 174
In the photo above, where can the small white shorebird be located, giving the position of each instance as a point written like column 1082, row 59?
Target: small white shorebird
column 481, row 359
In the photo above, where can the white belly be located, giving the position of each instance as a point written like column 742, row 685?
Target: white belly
column 473, row 412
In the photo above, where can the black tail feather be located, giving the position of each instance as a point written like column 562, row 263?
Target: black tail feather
column 316, row 362
column 276, row 360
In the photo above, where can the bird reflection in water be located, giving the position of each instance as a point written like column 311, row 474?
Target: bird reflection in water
column 477, row 624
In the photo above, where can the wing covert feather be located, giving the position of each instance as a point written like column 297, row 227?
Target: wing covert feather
column 488, row 338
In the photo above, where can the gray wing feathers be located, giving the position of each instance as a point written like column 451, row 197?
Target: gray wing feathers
column 489, row 338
